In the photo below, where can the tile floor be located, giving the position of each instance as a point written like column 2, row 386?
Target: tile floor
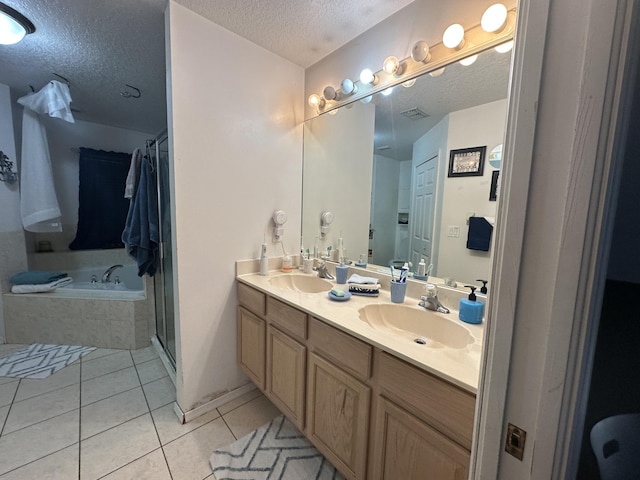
column 110, row 416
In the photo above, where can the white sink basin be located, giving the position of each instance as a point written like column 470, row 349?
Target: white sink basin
column 420, row 326
column 301, row 283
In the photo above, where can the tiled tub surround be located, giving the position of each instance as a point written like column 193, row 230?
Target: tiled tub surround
column 107, row 319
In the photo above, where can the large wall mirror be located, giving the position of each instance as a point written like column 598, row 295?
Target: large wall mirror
column 401, row 174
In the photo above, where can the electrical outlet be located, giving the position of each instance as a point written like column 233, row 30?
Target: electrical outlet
column 454, row 231
column 514, row 444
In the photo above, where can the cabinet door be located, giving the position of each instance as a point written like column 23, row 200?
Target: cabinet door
column 251, row 346
column 338, row 416
column 407, row 448
column 286, row 374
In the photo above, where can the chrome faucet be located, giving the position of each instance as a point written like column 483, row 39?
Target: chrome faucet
column 323, row 273
column 106, row 276
column 430, row 300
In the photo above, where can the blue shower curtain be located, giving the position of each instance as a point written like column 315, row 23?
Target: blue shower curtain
column 102, row 208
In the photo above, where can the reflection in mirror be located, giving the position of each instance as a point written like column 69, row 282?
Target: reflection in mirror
column 382, row 169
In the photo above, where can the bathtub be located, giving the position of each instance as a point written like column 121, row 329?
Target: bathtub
column 130, row 286
column 107, row 315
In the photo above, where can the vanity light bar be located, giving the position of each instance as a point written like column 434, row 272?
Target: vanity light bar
column 433, row 59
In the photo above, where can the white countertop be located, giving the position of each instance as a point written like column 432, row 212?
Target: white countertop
column 458, row 366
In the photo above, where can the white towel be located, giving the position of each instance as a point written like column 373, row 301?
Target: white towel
column 54, row 99
column 38, row 202
column 134, row 173
column 359, row 279
column 42, row 287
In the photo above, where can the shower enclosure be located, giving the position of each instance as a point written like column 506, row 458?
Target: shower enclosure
column 158, row 149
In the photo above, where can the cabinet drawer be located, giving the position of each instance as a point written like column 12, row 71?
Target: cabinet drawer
column 444, row 406
column 252, row 299
column 286, row 317
column 347, row 351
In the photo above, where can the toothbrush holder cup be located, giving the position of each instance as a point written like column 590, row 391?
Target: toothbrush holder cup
column 398, row 291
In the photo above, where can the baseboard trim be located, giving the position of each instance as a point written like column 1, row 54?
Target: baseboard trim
column 186, row 417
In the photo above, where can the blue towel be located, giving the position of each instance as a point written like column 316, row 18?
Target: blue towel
column 141, row 232
column 479, row 237
column 36, row 277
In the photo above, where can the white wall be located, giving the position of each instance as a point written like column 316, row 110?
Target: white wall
column 483, row 125
column 337, row 177
column 237, row 156
column 13, row 256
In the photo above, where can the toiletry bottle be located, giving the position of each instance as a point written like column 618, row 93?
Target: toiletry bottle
column 287, row 263
column 471, row 310
column 422, row 268
column 264, row 261
column 302, row 257
column 361, row 263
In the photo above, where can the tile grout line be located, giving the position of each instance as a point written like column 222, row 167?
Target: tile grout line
column 6, row 419
column 153, row 420
column 227, row 425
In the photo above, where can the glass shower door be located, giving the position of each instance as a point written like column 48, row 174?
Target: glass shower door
column 163, row 279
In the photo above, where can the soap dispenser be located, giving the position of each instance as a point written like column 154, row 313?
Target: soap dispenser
column 471, row 310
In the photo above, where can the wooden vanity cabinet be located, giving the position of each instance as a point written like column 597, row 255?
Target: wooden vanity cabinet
column 286, row 374
column 251, row 346
column 396, row 421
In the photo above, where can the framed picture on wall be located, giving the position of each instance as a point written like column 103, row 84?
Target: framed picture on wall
column 467, row 162
column 493, row 192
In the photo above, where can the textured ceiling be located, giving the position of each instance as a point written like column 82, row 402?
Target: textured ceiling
column 302, row 31
column 101, row 45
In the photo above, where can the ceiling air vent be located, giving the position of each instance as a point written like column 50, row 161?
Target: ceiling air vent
column 414, row 113
column 383, row 147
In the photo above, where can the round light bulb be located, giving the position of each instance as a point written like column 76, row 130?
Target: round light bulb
column 409, row 83
column 387, row 91
column 469, row 60
column 420, row 52
column 505, row 47
column 453, row 36
column 391, row 65
column 367, row 99
column 315, row 100
column 494, row 18
column 367, row 76
column 329, row 93
column 436, row 73
column 347, row 86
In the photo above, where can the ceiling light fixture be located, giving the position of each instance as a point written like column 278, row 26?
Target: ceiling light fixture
column 494, row 18
column 453, row 36
column 13, row 25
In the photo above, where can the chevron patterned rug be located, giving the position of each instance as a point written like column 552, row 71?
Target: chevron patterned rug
column 40, row 361
column 276, row 451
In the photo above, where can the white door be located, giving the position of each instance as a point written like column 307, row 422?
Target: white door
column 422, row 211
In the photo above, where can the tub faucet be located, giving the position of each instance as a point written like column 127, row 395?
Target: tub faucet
column 430, row 300
column 106, row 276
